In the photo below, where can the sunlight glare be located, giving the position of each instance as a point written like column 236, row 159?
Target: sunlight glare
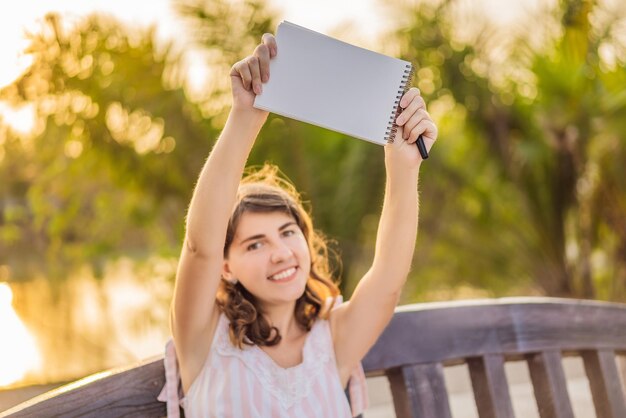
column 21, row 120
column 18, row 353
column 13, row 26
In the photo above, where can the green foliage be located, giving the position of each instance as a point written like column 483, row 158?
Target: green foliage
column 528, row 162
column 113, row 162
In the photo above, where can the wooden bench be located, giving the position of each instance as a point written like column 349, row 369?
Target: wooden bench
column 419, row 342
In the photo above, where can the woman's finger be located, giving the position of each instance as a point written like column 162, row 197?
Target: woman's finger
column 242, row 70
column 255, row 71
column 416, row 118
column 263, row 53
column 409, row 96
column 270, row 41
column 414, row 105
column 425, row 127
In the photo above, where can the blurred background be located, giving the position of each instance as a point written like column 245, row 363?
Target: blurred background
column 108, row 111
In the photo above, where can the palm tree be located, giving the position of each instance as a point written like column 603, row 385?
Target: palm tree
column 548, row 123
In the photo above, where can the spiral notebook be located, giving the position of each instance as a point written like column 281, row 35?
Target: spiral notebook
column 323, row 81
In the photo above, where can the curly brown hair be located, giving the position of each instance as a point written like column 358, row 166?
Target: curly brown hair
column 264, row 190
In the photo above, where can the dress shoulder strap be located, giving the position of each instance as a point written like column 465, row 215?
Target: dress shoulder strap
column 172, row 391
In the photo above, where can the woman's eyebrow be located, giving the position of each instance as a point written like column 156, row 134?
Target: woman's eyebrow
column 286, row 225
column 252, row 238
column 259, row 236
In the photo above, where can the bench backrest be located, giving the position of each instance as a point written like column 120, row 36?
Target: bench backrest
column 418, row 343
column 423, row 339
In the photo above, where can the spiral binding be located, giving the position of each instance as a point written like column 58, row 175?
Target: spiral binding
column 405, row 84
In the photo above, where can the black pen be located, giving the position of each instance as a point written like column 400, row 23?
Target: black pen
column 421, row 147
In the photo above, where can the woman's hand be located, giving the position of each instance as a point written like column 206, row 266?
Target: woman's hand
column 412, row 122
column 248, row 75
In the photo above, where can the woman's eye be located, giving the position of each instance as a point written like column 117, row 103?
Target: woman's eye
column 288, row 232
column 253, row 246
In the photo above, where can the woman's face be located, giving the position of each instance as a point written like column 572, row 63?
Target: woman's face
column 269, row 255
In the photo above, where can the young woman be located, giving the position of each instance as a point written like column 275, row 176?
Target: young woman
column 258, row 327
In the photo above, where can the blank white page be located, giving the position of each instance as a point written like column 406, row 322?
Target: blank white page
column 329, row 83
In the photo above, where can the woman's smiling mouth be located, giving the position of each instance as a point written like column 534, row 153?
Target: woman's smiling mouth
column 284, row 276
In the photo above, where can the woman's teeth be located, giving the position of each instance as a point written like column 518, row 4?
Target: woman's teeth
column 283, row 274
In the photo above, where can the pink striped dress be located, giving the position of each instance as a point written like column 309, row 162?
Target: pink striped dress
column 248, row 383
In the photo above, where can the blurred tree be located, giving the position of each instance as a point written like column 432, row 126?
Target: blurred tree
column 111, row 163
column 538, row 193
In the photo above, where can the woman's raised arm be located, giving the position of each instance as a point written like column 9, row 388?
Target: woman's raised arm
column 359, row 323
column 193, row 311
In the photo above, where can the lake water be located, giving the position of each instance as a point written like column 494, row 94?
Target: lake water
column 83, row 325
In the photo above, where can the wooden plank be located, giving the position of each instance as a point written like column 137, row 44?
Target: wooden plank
column 549, row 384
column 461, row 329
column 606, row 387
column 129, row 393
column 419, row 391
column 491, row 389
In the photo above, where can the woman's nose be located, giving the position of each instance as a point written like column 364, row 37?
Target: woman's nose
column 281, row 252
